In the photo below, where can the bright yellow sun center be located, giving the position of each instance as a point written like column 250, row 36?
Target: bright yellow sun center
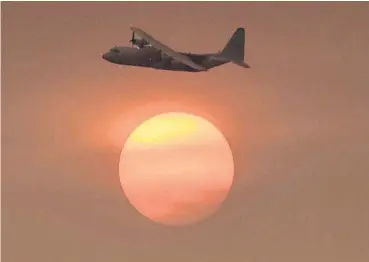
column 165, row 130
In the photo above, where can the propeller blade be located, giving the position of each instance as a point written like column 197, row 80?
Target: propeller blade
column 132, row 39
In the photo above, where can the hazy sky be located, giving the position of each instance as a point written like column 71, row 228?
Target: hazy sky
column 297, row 121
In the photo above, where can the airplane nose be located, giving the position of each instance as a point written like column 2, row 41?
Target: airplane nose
column 109, row 57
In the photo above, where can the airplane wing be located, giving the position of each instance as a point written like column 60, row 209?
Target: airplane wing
column 166, row 50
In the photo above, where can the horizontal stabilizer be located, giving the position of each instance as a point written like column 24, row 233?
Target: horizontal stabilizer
column 241, row 63
column 234, row 51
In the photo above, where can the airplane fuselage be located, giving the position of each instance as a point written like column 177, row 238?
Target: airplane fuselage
column 154, row 58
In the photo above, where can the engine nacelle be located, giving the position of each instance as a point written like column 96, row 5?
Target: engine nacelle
column 140, row 43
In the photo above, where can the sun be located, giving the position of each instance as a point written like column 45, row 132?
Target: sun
column 176, row 168
column 172, row 128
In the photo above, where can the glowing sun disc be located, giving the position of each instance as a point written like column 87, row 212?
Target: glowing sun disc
column 176, row 168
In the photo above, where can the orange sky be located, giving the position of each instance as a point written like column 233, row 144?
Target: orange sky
column 297, row 122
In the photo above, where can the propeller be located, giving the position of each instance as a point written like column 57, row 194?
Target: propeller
column 133, row 40
column 140, row 43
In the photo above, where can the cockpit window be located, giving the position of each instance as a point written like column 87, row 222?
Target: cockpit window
column 115, row 50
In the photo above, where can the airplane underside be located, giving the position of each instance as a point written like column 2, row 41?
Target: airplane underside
column 182, row 68
column 160, row 62
column 171, row 67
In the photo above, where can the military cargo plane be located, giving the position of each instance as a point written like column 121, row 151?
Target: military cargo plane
column 149, row 52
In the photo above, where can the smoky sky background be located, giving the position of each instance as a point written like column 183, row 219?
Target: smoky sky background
column 297, row 121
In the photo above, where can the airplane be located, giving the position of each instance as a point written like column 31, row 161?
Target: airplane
column 148, row 52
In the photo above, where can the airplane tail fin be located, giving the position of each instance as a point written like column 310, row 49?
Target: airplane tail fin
column 235, row 48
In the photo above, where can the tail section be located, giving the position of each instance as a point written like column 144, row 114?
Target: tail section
column 234, row 51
